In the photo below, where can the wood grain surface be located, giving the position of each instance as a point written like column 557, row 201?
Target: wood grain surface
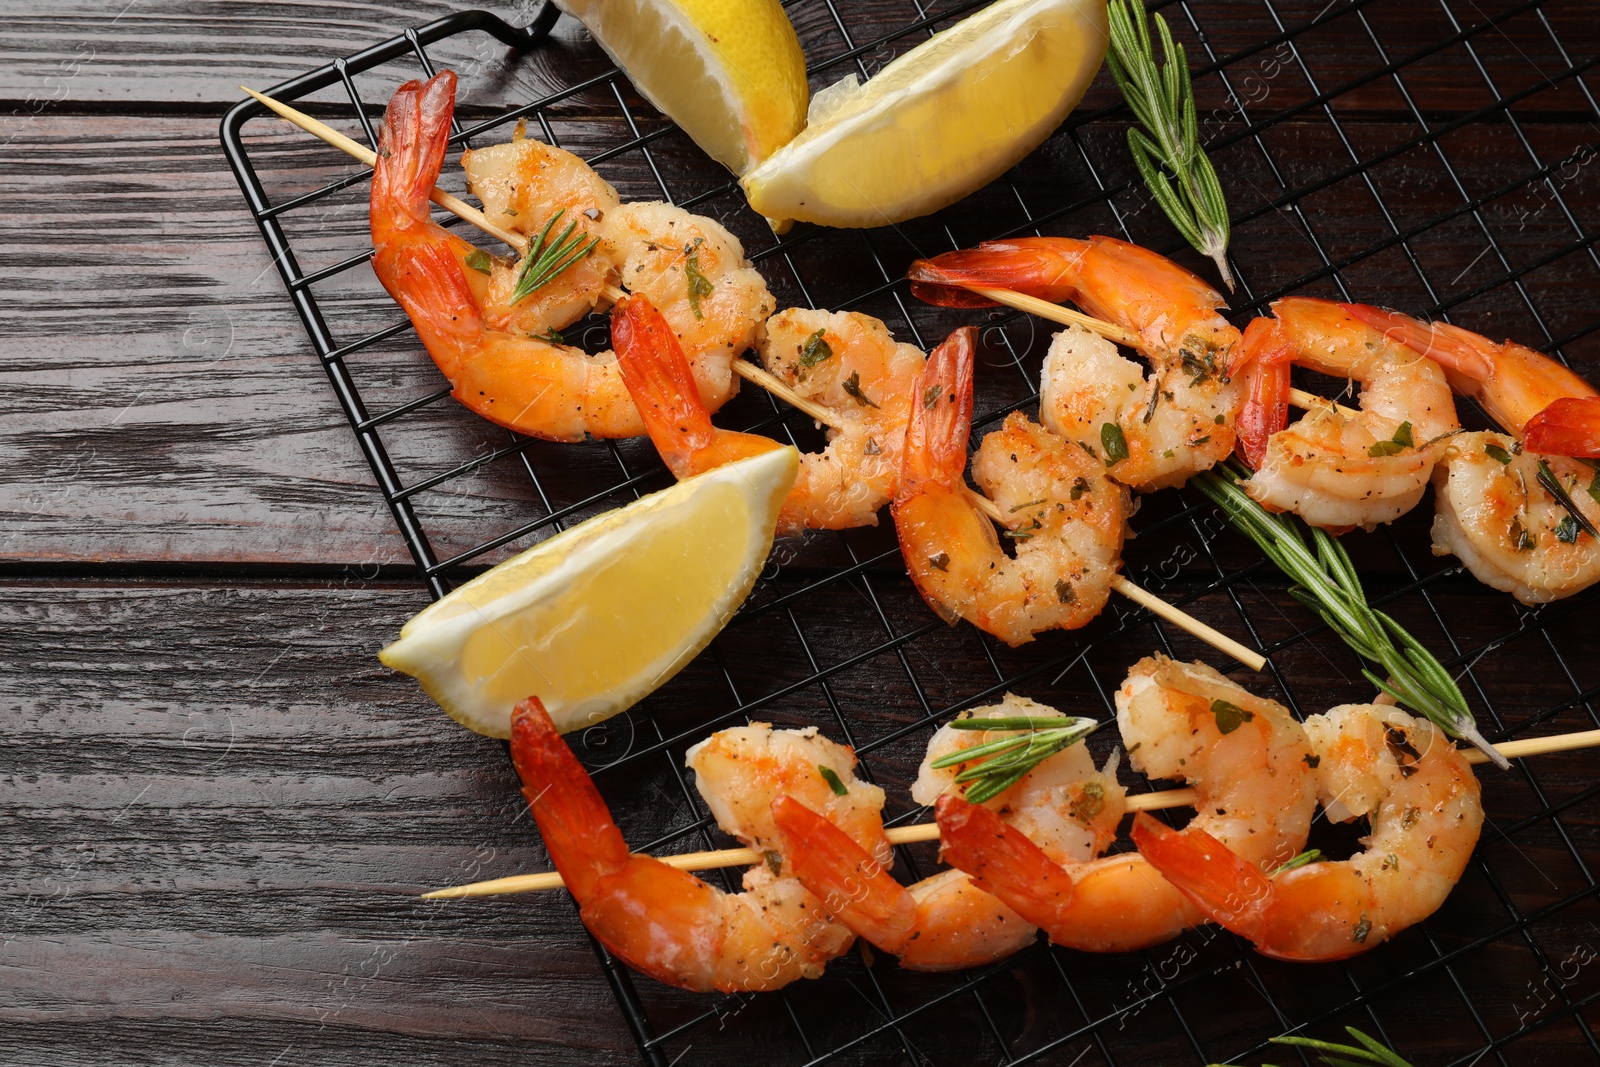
column 216, row 807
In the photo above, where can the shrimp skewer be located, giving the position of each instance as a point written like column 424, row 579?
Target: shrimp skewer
column 845, row 362
column 1150, row 432
column 1425, row 808
column 1497, row 511
column 945, row 921
column 1334, row 469
column 1247, row 759
column 495, row 349
column 1067, row 518
column 667, row 923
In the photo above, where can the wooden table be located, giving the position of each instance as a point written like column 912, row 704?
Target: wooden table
column 217, row 808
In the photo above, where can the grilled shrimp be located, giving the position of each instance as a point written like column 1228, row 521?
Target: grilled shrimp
column 1333, row 470
column 1246, row 756
column 1425, row 811
column 1150, row 432
column 669, row 924
column 458, row 298
column 1495, row 512
column 842, row 486
column 945, row 921
column 1065, row 517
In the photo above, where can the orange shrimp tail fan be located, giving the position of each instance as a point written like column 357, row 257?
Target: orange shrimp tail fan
column 1229, row 890
column 1568, row 427
column 851, row 884
column 941, row 415
column 1264, row 354
column 572, row 816
column 1024, row 265
column 411, row 144
column 660, row 380
column 1002, row 861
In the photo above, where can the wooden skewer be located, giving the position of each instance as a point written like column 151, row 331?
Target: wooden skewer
column 453, row 204
column 928, row 831
column 761, row 377
column 1311, row 401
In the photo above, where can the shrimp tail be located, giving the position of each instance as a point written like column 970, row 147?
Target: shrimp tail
column 1569, row 426
column 411, row 147
column 1265, row 353
column 1002, row 861
column 1031, row 265
column 852, row 885
column 583, row 841
column 1455, row 349
column 1231, row 891
column 941, row 416
column 661, row 382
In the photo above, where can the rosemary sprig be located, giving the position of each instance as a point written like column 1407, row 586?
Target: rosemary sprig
column 1326, row 582
column 1002, row 763
column 1548, row 479
column 544, row 261
column 1371, row 1050
column 1162, row 99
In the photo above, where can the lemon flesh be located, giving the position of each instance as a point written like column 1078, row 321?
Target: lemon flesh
column 729, row 72
column 593, row 620
column 941, row 121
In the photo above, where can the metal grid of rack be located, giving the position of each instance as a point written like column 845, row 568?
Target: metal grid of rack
column 834, row 634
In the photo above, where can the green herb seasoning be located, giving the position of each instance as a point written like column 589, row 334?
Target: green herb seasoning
column 995, row 766
column 1080, row 486
column 699, row 285
column 1548, row 479
column 852, row 386
column 816, row 349
column 480, row 261
column 1230, row 716
column 1496, row 453
column 1567, row 530
column 828, row 775
column 1114, row 443
column 1397, row 444
column 1310, row 855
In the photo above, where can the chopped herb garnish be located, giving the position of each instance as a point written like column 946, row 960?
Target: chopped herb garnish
column 774, row 861
column 1567, row 530
column 699, row 285
column 480, row 261
column 1091, row 801
column 930, row 396
column 1115, row 444
column 1065, row 593
column 544, row 261
column 1001, row 764
column 1521, row 539
column 1080, row 486
column 1087, row 447
column 1230, row 716
column 1547, row 478
column 1401, row 441
column 1496, row 453
column 941, row 562
column 852, row 386
column 552, row 336
column 1029, row 504
column 828, row 775
column 1022, row 533
column 1218, row 420
column 1363, row 928
column 1198, row 441
column 816, row 349
column 1310, row 855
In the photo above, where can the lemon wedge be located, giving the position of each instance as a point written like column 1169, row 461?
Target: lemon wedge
column 596, row 618
column 729, row 72
column 944, row 119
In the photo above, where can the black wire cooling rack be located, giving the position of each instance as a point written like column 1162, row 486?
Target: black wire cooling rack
column 1436, row 157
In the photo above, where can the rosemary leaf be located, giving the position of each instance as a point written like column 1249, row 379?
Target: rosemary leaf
column 699, row 285
column 1161, row 97
column 1548, row 479
column 1325, row 580
column 546, row 259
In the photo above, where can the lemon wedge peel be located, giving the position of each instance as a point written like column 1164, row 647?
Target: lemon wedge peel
column 730, row 73
column 939, row 122
column 594, row 619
